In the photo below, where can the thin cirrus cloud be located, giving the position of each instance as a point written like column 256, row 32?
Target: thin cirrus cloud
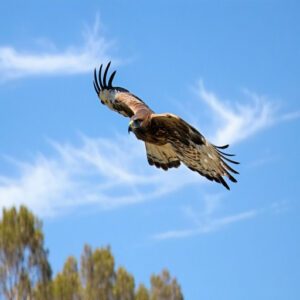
column 210, row 225
column 16, row 63
column 205, row 220
column 96, row 173
column 234, row 122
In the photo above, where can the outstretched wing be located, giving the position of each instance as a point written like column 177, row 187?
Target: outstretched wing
column 162, row 156
column 128, row 104
column 193, row 149
column 117, row 98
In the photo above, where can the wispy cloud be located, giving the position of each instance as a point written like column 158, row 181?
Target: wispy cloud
column 16, row 63
column 232, row 123
column 235, row 122
column 205, row 220
column 95, row 173
column 212, row 225
column 209, row 217
column 291, row 116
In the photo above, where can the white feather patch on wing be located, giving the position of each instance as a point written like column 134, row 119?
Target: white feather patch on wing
column 162, row 156
column 205, row 160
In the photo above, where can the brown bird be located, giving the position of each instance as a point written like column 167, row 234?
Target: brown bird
column 169, row 140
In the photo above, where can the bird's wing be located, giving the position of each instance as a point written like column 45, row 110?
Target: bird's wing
column 193, row 149
column 117, row 98
column 162, row 156
column 128, row 104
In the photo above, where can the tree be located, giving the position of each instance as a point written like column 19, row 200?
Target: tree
column 142, row 293
column 124, row 285
column 165, row 288
column 66, row 285
column 23, row 258
column 25, row 273
column 97, row 269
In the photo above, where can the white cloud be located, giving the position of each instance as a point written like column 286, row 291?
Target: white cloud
column 233, row 123
column 16, row 63
column 236, row 122
column 98, row 172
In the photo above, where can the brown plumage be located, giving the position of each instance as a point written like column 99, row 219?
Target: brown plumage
column 169, row 140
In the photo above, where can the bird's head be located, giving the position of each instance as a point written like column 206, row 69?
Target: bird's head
column 134, row 125
column 106, row 91
column 138, row 122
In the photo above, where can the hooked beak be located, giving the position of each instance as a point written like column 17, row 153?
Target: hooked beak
column 129, row 126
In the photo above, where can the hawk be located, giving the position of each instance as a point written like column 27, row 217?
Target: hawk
column 169, row 140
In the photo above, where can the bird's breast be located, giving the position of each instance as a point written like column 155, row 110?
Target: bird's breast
column 149, row 136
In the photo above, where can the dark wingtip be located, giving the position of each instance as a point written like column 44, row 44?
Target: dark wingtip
column 96, row 89
column 222, row 147
column 105, row 74
column 223, row 153
column 227, row 167
column 150, row 161
column 111, row 79
column 99, row 82
column 232, row 179
column 224, row 183
column 100, row 76
column 96, row 85
column 230, row 160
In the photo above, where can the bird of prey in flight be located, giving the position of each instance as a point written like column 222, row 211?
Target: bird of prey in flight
column 169, row 140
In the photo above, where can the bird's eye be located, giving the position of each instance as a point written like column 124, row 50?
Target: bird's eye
column 137, row 123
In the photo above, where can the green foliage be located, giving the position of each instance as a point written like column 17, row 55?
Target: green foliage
column 67, row 285
column 97, row 269
column 142, row 293
column 25, row 273
column 23, row 258
column 124, row 285
column 163, row 287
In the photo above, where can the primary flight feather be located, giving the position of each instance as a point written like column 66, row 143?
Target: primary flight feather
column 169, row 140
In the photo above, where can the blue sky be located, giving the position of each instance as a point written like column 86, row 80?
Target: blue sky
column 229, row 68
